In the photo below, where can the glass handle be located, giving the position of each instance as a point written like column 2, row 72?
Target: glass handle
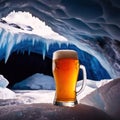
column 84, row 79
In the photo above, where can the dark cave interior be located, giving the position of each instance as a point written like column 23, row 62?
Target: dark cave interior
column 23, row 65
column 20, row 66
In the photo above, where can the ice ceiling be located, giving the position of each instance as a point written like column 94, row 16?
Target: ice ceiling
column 91, row 25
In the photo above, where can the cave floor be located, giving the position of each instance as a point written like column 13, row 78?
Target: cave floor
column 45, row 111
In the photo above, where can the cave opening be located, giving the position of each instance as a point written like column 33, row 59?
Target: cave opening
column 20, row 66
column 23, row 65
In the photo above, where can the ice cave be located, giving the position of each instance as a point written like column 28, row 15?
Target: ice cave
column 31, row 30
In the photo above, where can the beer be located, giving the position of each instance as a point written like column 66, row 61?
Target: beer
column 65, row 74
column 65, row 67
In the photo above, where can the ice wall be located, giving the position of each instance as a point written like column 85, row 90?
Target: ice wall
column 91, row 25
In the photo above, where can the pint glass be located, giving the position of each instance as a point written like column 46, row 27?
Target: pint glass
column 65, row 68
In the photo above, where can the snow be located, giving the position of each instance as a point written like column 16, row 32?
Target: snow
column 3, row 82
column 35, row 82
column 106, row 98
column 47, row 96
column 34, row 96
column 91, row 86
column 14, row 31
column 6, row 93
column 40, row 88
column 102, row 94
column 38, row 27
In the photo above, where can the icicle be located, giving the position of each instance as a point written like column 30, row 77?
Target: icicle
column 44, row 55
column 47, row 45
column 44, row 50
column 1, row 30
column 1, row 34
column 59, row 44
column 33, row 41
column 18, row 38
column 67, row 44
column 4, row 35
column 9, row 45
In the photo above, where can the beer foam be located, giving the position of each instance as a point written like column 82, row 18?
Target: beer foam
column 65, row 54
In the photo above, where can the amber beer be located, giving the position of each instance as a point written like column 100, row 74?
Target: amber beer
column 65, row 69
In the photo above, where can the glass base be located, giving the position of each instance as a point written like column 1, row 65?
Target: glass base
column 69, row 104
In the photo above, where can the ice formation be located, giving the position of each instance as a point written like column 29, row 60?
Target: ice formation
column 91, row 26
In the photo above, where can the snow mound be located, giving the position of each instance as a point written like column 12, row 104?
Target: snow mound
column 3, row 82
column 5, row 93
column 36, row 82
column 91, row 86
column 106, row 98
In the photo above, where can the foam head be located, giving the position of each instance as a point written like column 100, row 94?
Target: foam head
column 65, row 54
